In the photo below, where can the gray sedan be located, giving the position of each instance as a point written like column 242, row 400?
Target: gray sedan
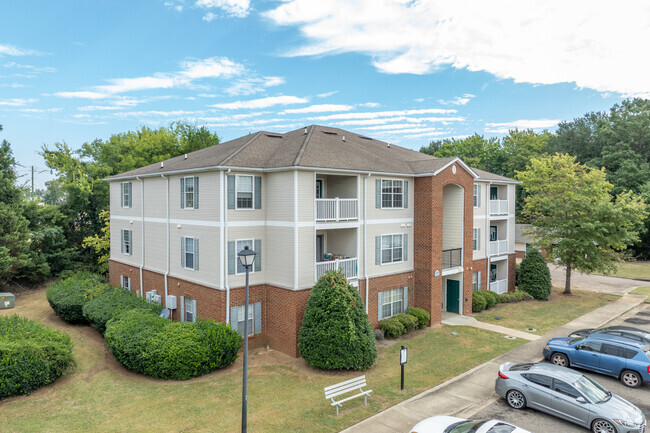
column 569, row 395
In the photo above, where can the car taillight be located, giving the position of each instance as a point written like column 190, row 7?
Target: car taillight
column 648, row 368
column 503, row 376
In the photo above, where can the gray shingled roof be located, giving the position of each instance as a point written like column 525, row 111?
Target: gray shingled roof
column 311, row 147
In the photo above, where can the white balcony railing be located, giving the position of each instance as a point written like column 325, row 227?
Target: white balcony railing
column 498, row 207
column 498, row 247
column 337, row 209
column 499, row 286
column 347, row 266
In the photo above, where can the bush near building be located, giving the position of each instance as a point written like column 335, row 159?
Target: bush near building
column 104, row 307
column 336, row 333
column 534, row 275
column 421, row 314
column 67, row 297
column 482, row 299
column 31, row 355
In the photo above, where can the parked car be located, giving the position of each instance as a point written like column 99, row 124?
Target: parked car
column 628, row 360
column 569, row 395
column 450, row 424
column 620, row 331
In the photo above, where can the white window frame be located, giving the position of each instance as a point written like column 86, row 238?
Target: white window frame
column 477, row 195
column 476, row 281
column 193, row 252
column 185, row 192
column 392, row 248
column 238, row 248
column 237, row 177
column 127, row 247
column 476, row 239
column 125, row 282
column 389, row 297
column 127, row 203
column 186, row 310
column 251, row 318
column 392, row 193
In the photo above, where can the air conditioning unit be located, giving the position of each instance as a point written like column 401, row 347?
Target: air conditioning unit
column 7, row 300
column 171, row 302
column 156, row 299
column 149, row 295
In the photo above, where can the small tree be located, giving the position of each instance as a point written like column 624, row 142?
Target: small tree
column 534, row 275
column 336, row 332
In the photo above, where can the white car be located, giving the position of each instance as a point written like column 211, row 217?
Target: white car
column 450, row 424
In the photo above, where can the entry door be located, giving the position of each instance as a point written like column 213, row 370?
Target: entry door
column 319, row 248
column 493, row 272
column 453, row 296
column 493, row 233
column 494, row 193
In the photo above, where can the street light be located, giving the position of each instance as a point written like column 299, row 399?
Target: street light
column 246, row 258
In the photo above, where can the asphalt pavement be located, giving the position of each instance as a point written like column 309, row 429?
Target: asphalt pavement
column 594, row 283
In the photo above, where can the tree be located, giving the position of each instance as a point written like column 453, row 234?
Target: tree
column 476, row 150
column 574, row 218
column 336, row 332
column 534, row 276
column 102, row 244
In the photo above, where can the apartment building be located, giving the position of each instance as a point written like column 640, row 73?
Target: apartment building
column 407, row 229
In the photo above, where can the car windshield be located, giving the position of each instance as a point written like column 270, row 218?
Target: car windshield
column 468, row 427
column 576, row 340
column 592, row 390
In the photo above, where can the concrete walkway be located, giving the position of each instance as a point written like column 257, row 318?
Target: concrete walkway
column 594, row 283
column 466, row 394
column 458, row 320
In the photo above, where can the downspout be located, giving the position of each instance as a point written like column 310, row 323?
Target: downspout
column 224, row 214
column 365, row 236
column 167, row 217
column 141, row 234
column 487, row 232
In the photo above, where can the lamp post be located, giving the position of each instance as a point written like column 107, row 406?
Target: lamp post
column 246, row 258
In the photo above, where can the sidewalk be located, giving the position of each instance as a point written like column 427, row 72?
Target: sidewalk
column 466, row 394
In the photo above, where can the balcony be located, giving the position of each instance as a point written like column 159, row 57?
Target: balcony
column 498, row 207
column 337, row 209
column 498, row 248
column 347, row 266
column 451, row 258
column 499, row 286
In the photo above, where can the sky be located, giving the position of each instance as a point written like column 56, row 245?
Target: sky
column 407, row 72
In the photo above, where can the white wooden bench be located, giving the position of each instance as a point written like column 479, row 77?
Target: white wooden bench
column 353, row 385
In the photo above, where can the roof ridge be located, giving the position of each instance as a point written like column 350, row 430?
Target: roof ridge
column 238, row 151
column 301, row 151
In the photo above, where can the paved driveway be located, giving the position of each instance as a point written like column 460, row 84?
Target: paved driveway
column 538, row 422
column 595, row 283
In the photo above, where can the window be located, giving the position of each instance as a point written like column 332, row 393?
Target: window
column 477, row 195
column 476, row 281
column 494, row 193
column 244, row 192
column 190, row 192
column 566, row 389
column 127, row 194
column 539, row 379
column 240, row 319
column 391, row 248
column 392, row 193
column 241, row 244
column 493, row 233
column 189, row 308
column 590, row 346
column 476, row 239
column 391, row 303
column 127, row 242
column 125, row 282
column 319, row 188
column 190, row 253
column 237, row 318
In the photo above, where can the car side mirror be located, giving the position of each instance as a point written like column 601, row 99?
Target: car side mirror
column 581, row 400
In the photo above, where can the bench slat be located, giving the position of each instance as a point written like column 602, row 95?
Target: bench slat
column 356, row 384
column 327, row 388
column 350, row 398
column 343, row 391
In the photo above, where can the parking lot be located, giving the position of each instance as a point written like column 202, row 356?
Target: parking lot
column 538, row 422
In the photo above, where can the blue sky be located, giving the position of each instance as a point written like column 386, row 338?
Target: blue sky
column 404, row 71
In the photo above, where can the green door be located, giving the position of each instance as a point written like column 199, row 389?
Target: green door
column 453, row 296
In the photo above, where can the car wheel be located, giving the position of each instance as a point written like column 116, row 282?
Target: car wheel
column 560, row 359
column 631, row 378
column 602, row 426
column 516, row 399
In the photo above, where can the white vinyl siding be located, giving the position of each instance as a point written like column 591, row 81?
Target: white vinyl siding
column 476, row 239
column 392, row 194
column 477, row 195
column 476, row 281
column 392, row 248
column 127, row 194
column 127, row 242
column 392, row 302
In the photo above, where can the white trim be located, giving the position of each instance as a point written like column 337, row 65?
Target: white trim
column 185, row 207
column 346, row 225
column 498, row 258
column 381, row 249
column 452, row 271
column 185, row 238
column 237, row 176
column 130, row 195
column 461, row 163
column 391, row 221
column 381, row 194
column 295, row 229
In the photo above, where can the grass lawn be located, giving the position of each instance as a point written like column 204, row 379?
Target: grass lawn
column 633, row 270
column 544, row 316
column 642, row 291
column 284, row 394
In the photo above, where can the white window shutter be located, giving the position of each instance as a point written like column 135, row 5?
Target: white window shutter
column 258, row 317
column 258, row 257
column 194, row 315
column 122, row 240
column 182, row 308
column 406, row 299
column 233, row 318
column 182, row 251
column 196, row 254
column 380, row 310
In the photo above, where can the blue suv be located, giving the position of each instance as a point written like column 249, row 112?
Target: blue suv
column 626, row 359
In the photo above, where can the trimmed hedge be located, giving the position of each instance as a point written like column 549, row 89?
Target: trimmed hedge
column 479, row 301
column 392, row 328
column 336, row 332
column 31, row 355
column 67, row 297
column 421, row 314
column 156, row 347
column 534, row 275
column 491, row 298
column 104, row 307
column 517, row 296
column 483, row 299
column 410, row 322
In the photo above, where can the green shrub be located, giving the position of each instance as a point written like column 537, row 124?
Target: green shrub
column 392, row 328
column 336, row 332
column 507, row 298
column 410, row 322
column 534, row 275
column 421, row 314
column 104, row 307
column 31, row 355
column 491, row 299
column 67, row 297
column 479, row 301
column 517, row 296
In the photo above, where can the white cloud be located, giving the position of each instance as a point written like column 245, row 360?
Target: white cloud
column 16, row 102
column 370, row 104
column 458, row 100
column 415, row 122
column 82, row 95
column 326, row 94
column 12, row 50
column 376, row 114
column 322, row 108
column 41, row 110
column 209, row 17
column 234, row 8
column 34, row 70
column 503, row 128
column 540, row 42
column 262, row 102
column 251, row 85
column 386, row 120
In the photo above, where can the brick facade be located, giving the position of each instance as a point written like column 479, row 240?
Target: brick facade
column 482, row 266
column 512, row 269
